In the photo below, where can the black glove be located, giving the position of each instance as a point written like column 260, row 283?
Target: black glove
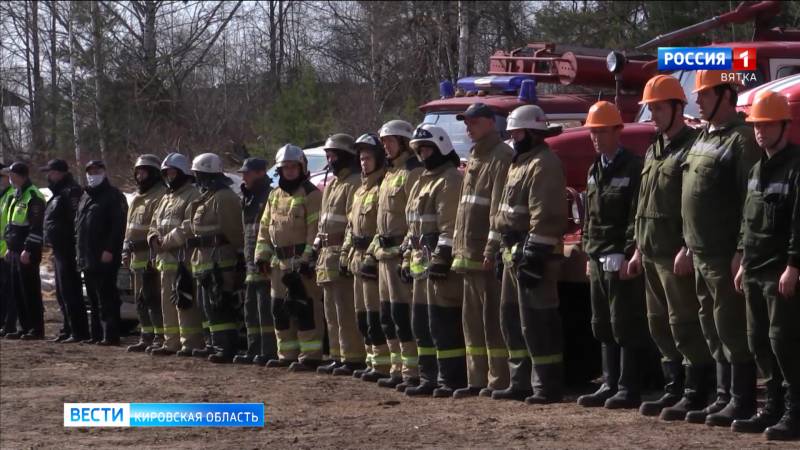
column 182, row 295
column 297, row 297
column 368, row 268
column 404, row 273
column 305, row 269
column 441, row 260
column 240, row 272
column 498, row 265
column 532, row 264
column 438, row 271
column 216, row 286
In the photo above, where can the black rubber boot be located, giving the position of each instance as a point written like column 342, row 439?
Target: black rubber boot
column 327, row 369
column 149, row 349
column 519, row 387
column 307, row 365
column 743, row 396
column 279, row 363
column 549, row 385
column 203, row 352
column 467, row 392
column 611, row 365
column 629, row 393
column 347, row 369
column 243, row 359
column 185, row 352
column 423, row 389
column 443, row 392
column 390, row 382
column 261, row 360
column 788, row 428
column 452, row 377
column 409, row 383
column 766, row 417
column 673, row 389
column 373, row 376
column 144, row 341
column 723, row 395
column 428, row 372
column 161, row 351
column 360, row 372
column 226, row 347
column 695, row 393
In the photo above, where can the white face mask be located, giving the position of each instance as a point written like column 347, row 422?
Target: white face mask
column 95, row 180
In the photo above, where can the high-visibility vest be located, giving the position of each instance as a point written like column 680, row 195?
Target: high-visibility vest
column 18, row 208
column 16, row 212
column 5, row 200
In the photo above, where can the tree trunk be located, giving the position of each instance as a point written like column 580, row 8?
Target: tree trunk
column 149, row 43
column 99, row 77
column 54, row 103
column 463, row 37
column 73, row 81
column 273, row 43
column 37, row 129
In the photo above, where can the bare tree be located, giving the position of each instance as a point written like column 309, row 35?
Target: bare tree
column 463, row 37
column 99, row 77
column 73, row 82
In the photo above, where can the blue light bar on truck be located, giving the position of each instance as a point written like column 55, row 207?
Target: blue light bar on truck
column 527, row 93
column 505, row 83
column 446, row 89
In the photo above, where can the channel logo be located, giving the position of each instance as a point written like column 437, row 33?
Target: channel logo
column 706, row 58
column 163, row 414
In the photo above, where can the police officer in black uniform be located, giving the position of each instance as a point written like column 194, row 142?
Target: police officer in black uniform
column 100, row 230
column 59, row 235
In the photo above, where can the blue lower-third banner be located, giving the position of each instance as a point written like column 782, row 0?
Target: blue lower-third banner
column 164, row 414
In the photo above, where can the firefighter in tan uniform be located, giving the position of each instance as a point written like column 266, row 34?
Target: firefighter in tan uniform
column 214, row 234
column 333, row 273
column 531, row 220
column 284, row 253
column 136, row 251
column 363, row 265
column 475, row 250
column 431, row 215
column 403, row 170
column 182, row 322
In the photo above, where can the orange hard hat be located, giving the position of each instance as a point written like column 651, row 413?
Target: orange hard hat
column 769, row 106
column 603, row 114
column 706, row 79
column 661, row 88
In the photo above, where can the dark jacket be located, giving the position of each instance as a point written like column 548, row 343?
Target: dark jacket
column 100, row 226
column 770, row 231
column 253, row 202
column 59, row 216
column 611, row 194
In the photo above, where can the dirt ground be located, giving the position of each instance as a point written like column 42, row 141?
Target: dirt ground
column 303, row 410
